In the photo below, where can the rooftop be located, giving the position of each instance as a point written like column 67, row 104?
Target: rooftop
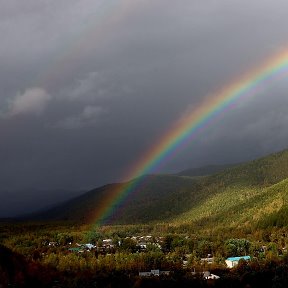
column 238, row 258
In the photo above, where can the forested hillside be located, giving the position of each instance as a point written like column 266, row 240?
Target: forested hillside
column 246, row 194
column 250, row 193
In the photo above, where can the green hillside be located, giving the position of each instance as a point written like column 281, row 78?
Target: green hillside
column 245, row 194
column 252, row 193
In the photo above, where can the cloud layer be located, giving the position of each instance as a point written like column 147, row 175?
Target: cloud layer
column 101, row 81
column 87, row 117
column 33, row 101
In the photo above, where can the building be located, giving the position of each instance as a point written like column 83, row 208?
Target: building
column 155, row 272
column 208, row 260
column 148, row 274
column 233, row 261
column 207, row 275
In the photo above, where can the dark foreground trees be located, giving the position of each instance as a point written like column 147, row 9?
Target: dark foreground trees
column 16, row 271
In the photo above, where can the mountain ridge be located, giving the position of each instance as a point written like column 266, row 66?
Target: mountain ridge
column 204, row 170
column 242, row 194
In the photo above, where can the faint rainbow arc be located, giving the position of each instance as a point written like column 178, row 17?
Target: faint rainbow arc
column 105, row 19
column 186, row 128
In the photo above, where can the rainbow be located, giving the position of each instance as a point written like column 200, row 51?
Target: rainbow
column 191, row 124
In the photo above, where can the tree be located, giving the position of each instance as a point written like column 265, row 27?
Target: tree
column 128, row 245
column 237, row 247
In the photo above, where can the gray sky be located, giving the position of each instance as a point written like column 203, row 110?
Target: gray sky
column 86, row 87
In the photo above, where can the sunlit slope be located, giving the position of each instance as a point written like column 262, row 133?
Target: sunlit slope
column 250, row 193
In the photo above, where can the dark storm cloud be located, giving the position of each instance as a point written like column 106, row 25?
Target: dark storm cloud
column 88, row 86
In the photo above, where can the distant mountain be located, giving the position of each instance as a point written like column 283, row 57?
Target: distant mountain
column 205, row 170
column 155, row 199
column 252, row 193
column 22, row 201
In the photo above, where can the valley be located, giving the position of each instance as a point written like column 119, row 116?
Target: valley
column 184, row 226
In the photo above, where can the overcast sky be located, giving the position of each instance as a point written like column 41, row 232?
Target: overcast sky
column 86, row 87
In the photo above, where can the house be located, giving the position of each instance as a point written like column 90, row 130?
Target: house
column 82, row 248
column 145, row 274
column 142, row 245
column 185, row 263
column 155, row 272
column 233, row 261
column 207, row 275
column 76, row 250
column 89, row 246
column 208, row 260
column 107, row 242
column 148, row 274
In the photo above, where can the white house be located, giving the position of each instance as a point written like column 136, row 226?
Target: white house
column 233, row 261
column 89, row 246
column 207, row 275
column 107, row 242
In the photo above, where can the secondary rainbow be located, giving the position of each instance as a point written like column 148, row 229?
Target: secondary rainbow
column 105, row 15
column 193, row 122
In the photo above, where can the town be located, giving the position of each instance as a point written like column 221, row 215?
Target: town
column 144, row 253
